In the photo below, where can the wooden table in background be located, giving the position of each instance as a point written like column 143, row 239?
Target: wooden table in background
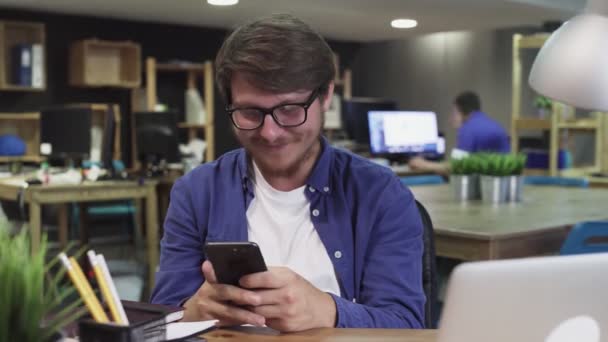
column 536, row 226
column 38, row 195
column 326, row 335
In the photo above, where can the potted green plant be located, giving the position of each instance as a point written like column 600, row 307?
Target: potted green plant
column 543, row 105
column 517, row 163
column 494, row 169
column 464, row 177
column 32, row 303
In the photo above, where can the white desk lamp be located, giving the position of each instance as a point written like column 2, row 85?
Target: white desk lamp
column 572, row 66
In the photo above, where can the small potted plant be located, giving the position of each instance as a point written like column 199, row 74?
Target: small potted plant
column 32, row 303
column 516, row 164
column 465, row 178
column 494, row 171
column 543, row 105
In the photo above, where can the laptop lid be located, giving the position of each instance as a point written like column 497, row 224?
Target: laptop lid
column 535, row 299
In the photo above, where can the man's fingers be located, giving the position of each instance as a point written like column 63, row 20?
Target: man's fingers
column 274, row 278
column 269, row 311
column 229, row 293
column 234, row 315
column 208, row 272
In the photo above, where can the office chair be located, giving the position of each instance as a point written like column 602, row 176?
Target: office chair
column 557, row 181
column 429, row 269
column 422, row 180
column 581, row 238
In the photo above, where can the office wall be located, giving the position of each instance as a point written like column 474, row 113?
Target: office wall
column 427, row 72
column 163, row 41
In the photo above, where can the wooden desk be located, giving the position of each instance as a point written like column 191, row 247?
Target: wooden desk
column 326, row 335
column 538, row 225
column 38, row 195
column 598, row 182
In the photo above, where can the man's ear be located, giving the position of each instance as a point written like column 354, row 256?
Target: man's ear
column 328, row 96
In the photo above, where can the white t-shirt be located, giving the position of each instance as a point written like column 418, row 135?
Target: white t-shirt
column 279, row 222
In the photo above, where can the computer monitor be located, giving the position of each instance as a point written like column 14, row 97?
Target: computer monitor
column 156, row 137
column 65, row 133
column 403, row 133
column 354, row 116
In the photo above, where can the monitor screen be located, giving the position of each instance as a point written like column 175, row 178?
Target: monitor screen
column 65, row 132
column 156, row 136
column 402, row 132
column 354, row 116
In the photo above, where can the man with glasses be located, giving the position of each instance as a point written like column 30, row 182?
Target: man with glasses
column 342, row 236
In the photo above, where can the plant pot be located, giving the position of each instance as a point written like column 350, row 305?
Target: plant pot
column 466, row 187
column 514, row 188
column 494, row 189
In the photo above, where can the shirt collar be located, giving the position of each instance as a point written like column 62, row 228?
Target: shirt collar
column 319, row 178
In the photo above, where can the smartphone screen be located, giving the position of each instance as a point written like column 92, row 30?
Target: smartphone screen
column 232, row 260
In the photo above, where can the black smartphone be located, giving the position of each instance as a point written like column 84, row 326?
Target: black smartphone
column 232, row 260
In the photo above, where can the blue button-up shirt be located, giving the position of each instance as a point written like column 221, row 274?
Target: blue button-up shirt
column 367, row 220
column 481, row 133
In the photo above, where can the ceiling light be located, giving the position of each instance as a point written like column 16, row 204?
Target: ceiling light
column 222, row 2
column 571, row 67
column 404, row 23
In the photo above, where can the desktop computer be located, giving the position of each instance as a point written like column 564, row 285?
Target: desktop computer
column 157, row 140
column 399, row 135
column 65, row 135
column 355, row 121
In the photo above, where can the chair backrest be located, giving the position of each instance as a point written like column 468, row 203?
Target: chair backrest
column 429, row 269
column 581, row 238
column 557, row 181
column 422, row 180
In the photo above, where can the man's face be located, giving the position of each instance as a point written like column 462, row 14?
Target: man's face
column 457, row 117
column 275, row 149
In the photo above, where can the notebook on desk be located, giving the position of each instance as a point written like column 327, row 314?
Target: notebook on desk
column 549, row 299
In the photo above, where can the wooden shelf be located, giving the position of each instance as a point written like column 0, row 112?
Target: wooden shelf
column 30, row 36
column 19, row 116
column 532, row 123
column 27, row 159
column 190, row 125
column 585, row 124
column 97, row 63
column 180, row 67
column 535, row 41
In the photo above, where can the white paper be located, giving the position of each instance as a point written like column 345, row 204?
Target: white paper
column 185, row 329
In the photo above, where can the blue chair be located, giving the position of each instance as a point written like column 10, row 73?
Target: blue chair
column 422, row 180
column 557, row 181
column 581, row 238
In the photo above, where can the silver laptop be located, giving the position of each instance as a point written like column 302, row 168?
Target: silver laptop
column 549, row 299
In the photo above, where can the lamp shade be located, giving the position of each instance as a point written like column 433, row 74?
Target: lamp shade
column 572, row 66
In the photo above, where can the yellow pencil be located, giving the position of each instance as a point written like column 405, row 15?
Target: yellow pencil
column 105, row 289
column 84, row 288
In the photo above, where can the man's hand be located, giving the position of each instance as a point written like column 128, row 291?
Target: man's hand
column 289, row 302
column 222, row 302
column 421, row 164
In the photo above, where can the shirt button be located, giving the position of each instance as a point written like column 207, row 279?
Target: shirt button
column 338, row 254
column 315, row 213
column 311, row 189
column 326, row 189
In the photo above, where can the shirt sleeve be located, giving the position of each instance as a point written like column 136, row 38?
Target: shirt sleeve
column 180, row 274
column 391, row 294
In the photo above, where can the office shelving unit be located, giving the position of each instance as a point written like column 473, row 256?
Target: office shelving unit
column 562, row 117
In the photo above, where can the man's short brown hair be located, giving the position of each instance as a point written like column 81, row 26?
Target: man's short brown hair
column 279, row 53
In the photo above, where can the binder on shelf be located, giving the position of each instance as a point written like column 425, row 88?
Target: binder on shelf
column 37, row 66
column 21, row 65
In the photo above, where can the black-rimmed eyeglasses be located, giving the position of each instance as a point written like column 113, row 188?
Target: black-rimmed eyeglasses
column 285, row 115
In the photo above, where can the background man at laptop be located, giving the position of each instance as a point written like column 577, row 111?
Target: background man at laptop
column 477, row 132
column 346, row 233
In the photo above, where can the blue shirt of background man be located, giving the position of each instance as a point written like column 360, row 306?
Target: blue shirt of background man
column 481, row 133
column 367, row 220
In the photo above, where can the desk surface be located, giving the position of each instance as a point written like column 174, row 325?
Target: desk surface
column 325, row 335
column 542, row 208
